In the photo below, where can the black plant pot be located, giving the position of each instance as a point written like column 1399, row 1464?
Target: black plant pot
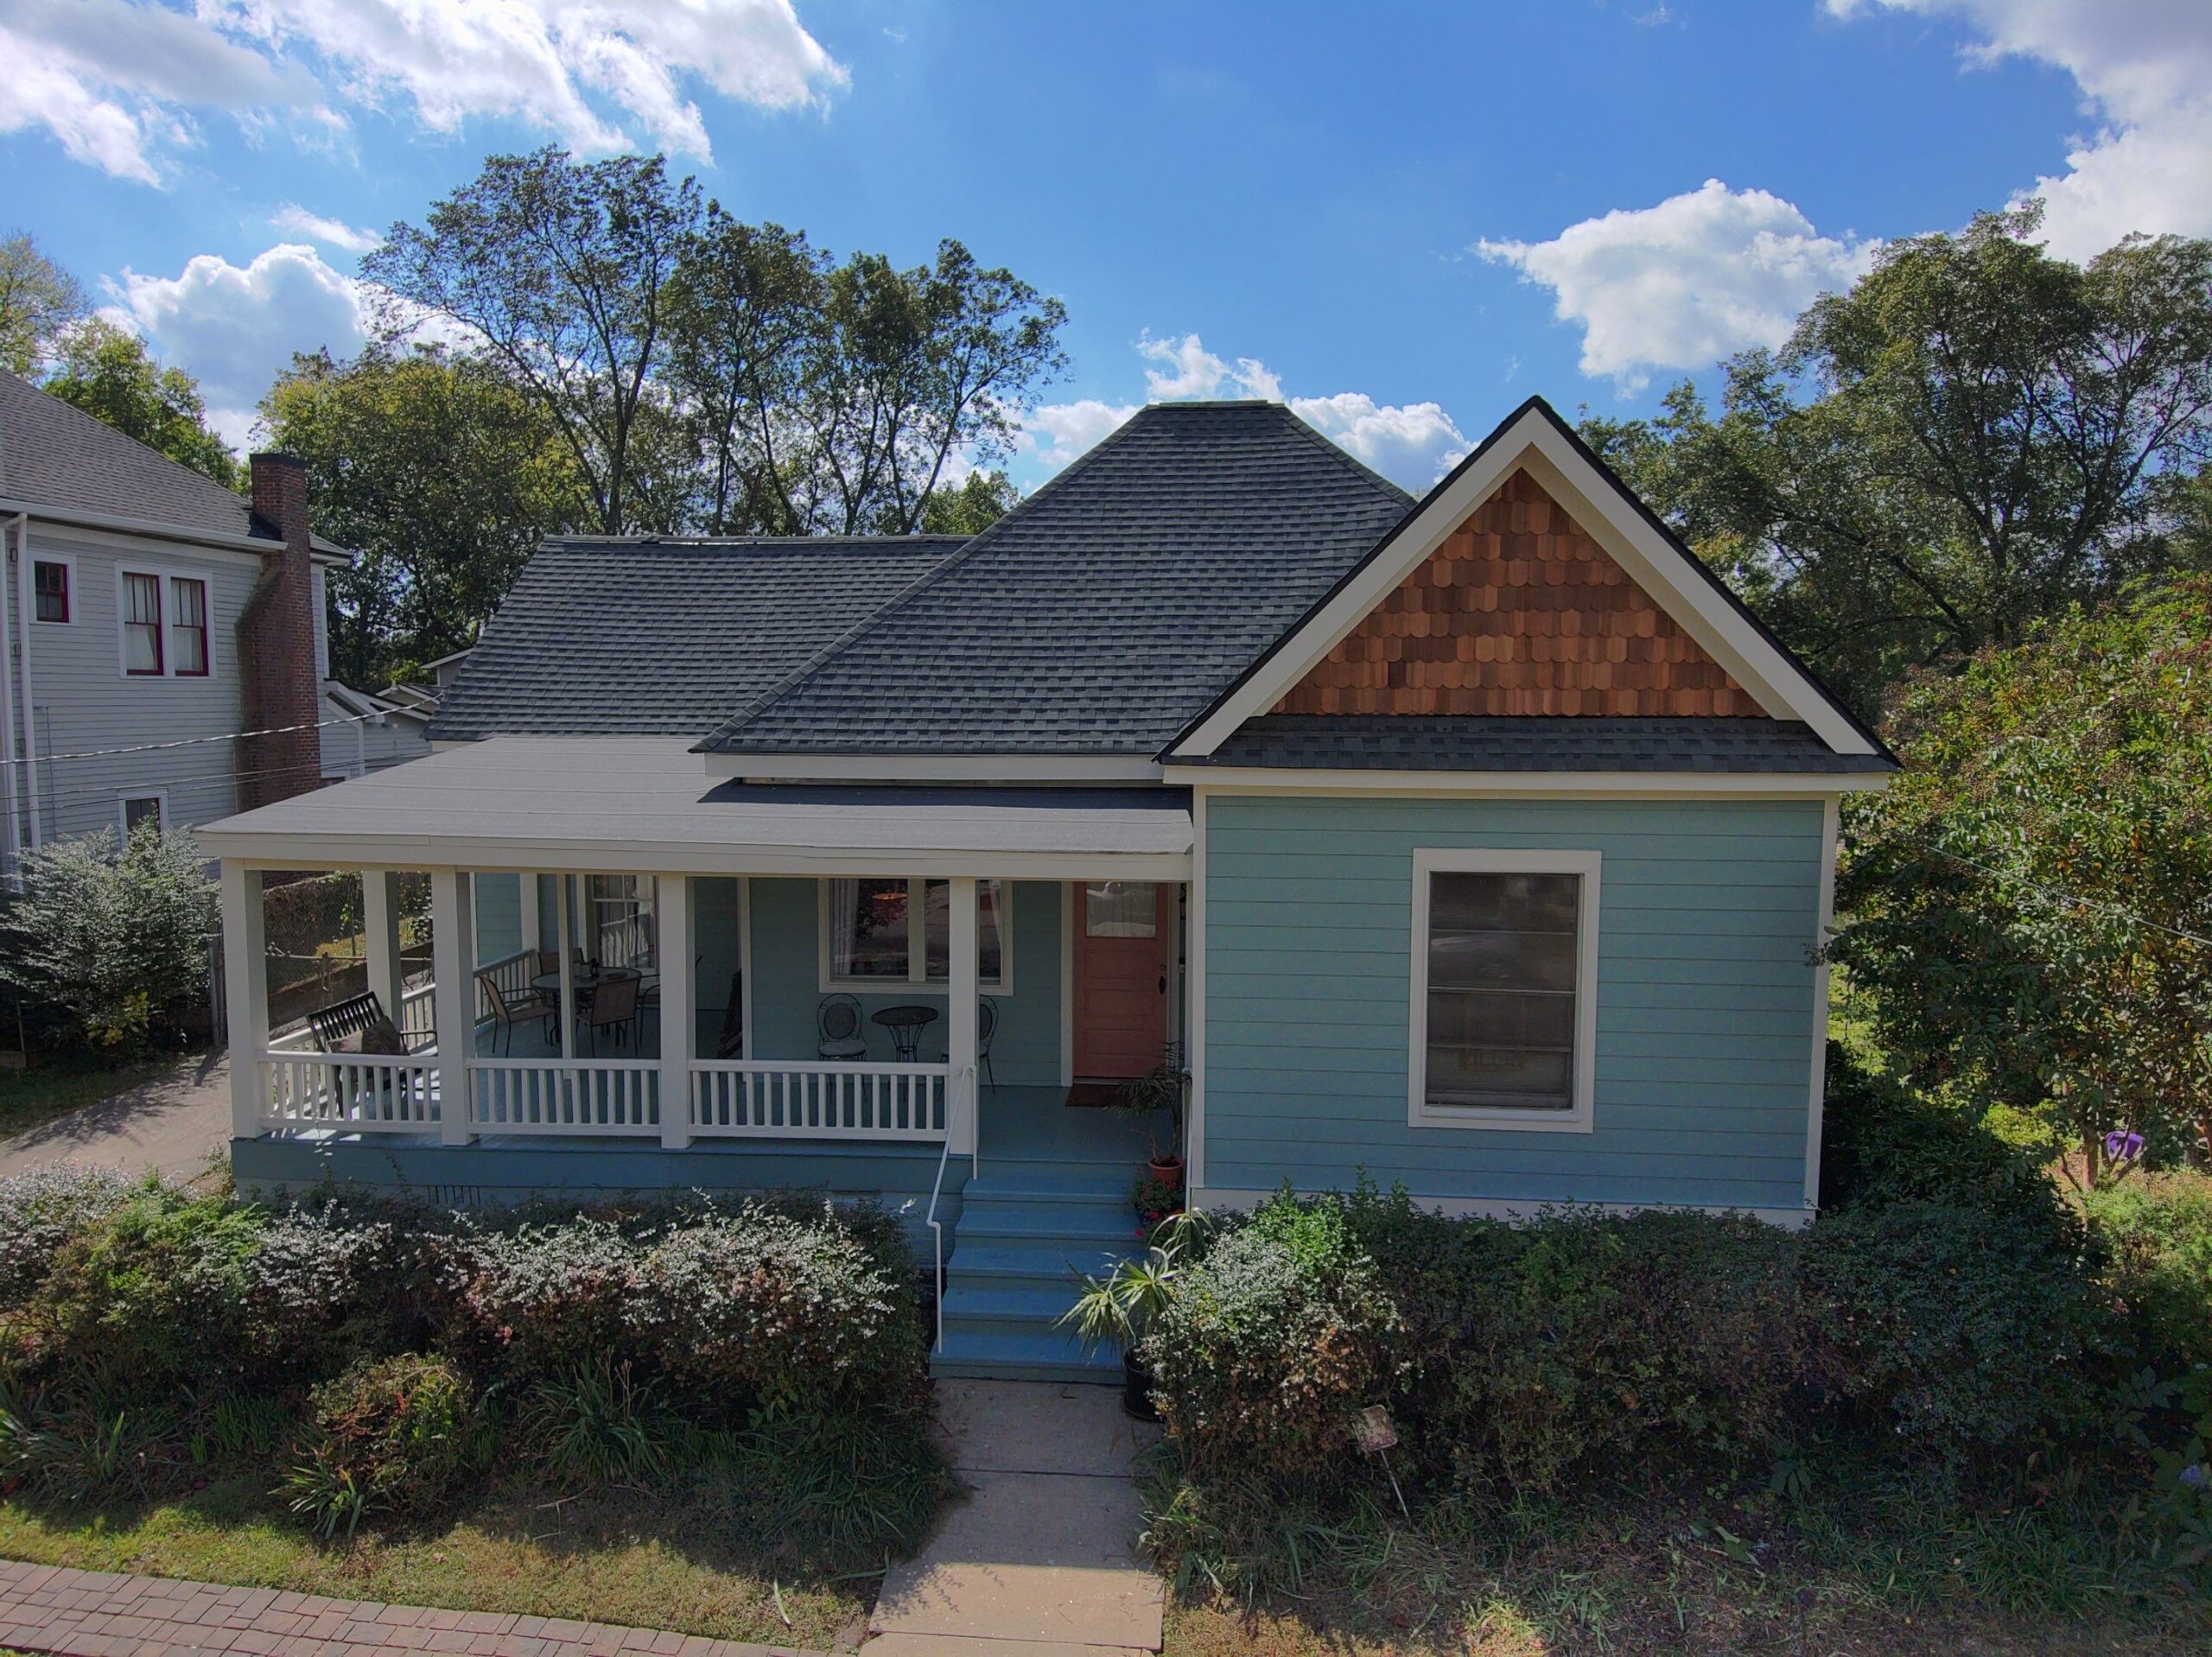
column 1136, row 1389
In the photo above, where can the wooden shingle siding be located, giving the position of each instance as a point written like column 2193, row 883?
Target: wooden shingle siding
column 1518, row 612
column 1705, row 1000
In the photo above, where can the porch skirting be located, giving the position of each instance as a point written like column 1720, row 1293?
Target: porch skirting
column 497, row 1172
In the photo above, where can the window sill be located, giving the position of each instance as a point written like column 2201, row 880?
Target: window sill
column 1512, row 1121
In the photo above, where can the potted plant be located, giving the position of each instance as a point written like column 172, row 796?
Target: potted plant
column 1156, row 1100
column 1155, row 1199
column 1117, row 1309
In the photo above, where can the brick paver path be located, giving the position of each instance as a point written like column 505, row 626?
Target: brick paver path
column 103, row 1614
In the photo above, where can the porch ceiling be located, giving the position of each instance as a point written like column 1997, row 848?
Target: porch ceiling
column 645, row 805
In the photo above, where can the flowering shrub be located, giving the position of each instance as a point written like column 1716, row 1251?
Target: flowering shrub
column 42, row 1209
column 539, row 1299
column 399, row 1429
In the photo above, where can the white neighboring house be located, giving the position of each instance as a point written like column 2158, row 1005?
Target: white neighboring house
column 149, row 619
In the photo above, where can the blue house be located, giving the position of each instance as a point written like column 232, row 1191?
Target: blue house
column 1481, row 842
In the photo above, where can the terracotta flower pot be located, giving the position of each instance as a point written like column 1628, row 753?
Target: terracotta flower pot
column 1170, row 1168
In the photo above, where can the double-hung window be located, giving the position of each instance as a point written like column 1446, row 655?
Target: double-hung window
column 1504, row 989
column 189, row 626
column 892, row 933
column 142, row 656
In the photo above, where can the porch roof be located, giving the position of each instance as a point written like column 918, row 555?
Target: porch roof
column 647, row 806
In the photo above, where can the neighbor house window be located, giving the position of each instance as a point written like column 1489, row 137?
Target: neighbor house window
column 1504, row 989
column 142, row 625
column 50, row 590
column 189, row 625
column 893, row 932
column 138, row 810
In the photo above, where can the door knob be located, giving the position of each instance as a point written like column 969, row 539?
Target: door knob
column 1163, row 983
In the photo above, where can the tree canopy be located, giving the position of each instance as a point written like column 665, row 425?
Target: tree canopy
column 709, row 375
column 2030, row 902
column 38, row 300
column 1975, row 436
column 442, row 475
column 108, row 372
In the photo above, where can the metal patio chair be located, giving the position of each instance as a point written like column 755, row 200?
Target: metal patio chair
column 837, row 1028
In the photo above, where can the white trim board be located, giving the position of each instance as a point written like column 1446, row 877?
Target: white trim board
column 1588, row 868
column 1534, row 440
column 1554, row 784
column 1817, row 1097
column 1233, row 1200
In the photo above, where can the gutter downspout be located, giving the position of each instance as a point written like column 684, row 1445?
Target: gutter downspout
column 23, row 602
column 20, row 524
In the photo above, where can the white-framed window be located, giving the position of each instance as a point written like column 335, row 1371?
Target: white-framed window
column 1504, row 1014
column 54, row 590
column 163, row 624
column 145, row 806
column 870, row 931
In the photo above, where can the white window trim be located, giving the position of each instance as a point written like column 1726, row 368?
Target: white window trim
column 123, row 798
column 68, row 561
column 165, row 578
column 916, row 983
column 1430, row 861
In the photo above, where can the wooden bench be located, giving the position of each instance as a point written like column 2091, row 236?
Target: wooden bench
column 334, row 1025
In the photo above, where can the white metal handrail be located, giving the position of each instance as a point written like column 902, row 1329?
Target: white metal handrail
column 937, row 1190
column 818, row 1099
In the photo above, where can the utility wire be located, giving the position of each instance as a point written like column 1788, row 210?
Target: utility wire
column 191, row 741
column 2056, row 895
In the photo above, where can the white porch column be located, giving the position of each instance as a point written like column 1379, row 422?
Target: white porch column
column 245, row 993
column 453, row 952
column 673, row 909
column 960, row 1012
column 380, row 921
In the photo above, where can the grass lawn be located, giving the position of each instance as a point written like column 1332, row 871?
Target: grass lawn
column 30, row 1099
column 614, row 1556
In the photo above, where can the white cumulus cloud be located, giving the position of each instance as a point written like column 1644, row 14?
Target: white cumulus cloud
column 1686, row 282
column 2144, row 71
column 118, row 82
column 1413, row 443
column 331, row 232
column 234, row 327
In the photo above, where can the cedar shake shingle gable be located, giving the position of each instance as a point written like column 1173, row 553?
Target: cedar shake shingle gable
column 1520, row 612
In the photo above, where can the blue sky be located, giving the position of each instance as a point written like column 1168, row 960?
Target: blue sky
column 1404, row 219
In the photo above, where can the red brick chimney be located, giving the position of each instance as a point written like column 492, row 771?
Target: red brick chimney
column 277, row 644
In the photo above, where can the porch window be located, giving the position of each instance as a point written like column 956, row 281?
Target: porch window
column 1504, row 989
column 621, row 919
column 869, row 928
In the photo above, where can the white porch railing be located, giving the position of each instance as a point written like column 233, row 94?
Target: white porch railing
column 418, row 1015
column 555, row 1095
column 512, row 974
column 361, row 1093
column 815, row 1099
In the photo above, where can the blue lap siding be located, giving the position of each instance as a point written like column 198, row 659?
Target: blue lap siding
column 1709, row 915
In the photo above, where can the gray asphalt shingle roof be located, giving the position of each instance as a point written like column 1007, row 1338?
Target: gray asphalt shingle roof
column 610, row 637
column 53, row 454
column 1107, row 609
column 1419, row 742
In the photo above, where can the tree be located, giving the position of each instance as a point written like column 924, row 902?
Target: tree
column 980, row 500
column 107, row 371
column 1973, row 437
column 562, row 271
column 440, row 474
column 2030, row 902
column 38, row 300
column 907, row 368
column 111, row 940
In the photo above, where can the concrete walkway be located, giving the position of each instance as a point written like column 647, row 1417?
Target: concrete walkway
column 169, row 1125
column 46, row 1608
column 1037, row 1562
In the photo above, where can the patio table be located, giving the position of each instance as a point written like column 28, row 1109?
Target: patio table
column 584, row 978
column 906, row 1023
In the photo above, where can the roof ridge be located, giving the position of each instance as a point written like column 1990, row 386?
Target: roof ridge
column 199, row 479
column 852, row 635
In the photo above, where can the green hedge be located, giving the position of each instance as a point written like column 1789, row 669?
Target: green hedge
column 388, row 1340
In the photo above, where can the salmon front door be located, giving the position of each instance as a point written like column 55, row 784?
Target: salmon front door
column 1121, row 940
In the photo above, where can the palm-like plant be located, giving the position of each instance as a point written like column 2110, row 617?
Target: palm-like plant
column 1116, row 1309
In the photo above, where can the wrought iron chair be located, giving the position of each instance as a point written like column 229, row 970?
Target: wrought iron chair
column 731, row 1042
column 987, row 1024
column 838, row 1029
